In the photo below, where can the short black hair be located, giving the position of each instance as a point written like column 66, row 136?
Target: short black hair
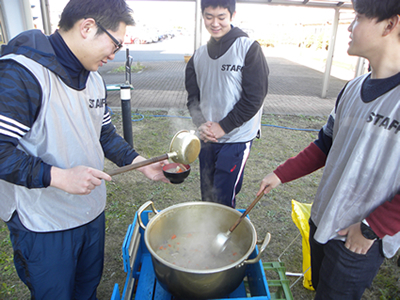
column 381, row 9
column 230, row 5
column 108, row 13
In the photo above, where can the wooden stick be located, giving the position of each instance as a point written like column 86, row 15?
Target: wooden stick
column 138, row 165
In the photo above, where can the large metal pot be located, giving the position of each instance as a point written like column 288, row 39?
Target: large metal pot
column 196, row 217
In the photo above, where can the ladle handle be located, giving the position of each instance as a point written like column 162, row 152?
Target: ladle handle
column 138, row 164
column 247, row 211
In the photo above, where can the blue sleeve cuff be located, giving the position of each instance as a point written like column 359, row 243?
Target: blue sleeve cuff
column 46, row 174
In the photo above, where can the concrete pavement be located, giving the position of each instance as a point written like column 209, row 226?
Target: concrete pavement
column 294, row 89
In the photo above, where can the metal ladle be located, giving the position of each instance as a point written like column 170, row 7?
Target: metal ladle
column 184, row 149
column 218, row 245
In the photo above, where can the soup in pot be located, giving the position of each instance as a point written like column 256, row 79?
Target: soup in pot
column 191, row 250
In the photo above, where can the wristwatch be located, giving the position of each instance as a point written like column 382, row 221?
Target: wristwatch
column 367, row 232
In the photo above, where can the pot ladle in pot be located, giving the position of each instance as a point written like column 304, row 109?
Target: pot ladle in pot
column 184, row 149
column 218, row 245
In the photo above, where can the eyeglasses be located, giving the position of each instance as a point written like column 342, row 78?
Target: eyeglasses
column 118, row 45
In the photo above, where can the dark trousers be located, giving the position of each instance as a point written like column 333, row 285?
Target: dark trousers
column 221, row 171
column 338, row 273
column 61, row 265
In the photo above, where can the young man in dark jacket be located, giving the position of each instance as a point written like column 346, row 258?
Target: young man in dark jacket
column 354, row 218
column 55, row 130
column 226, row 81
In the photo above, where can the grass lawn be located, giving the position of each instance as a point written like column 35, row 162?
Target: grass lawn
column 128, row 191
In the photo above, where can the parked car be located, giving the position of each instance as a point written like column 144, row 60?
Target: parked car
column 130, row 39
column 132, row 36
column 151, row 36
column 266, row 42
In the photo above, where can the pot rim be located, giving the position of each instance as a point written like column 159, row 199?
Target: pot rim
column 195, row 271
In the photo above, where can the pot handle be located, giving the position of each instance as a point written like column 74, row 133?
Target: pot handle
column 142, row 208
column 258, row 257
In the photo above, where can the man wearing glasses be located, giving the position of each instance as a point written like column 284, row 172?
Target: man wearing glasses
column 53, row 141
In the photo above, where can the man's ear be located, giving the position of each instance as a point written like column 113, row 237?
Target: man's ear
column 233, row 15
column 391, row 24
column 87, row 27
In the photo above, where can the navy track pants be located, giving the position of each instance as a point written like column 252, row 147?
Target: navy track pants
column 221, row 171
column 60, row 265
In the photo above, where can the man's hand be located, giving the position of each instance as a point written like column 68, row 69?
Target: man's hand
column 355, row 241
column 217, row 130
column 80, row 180
column 269, row 182
column 153, row 171
column 206, row 134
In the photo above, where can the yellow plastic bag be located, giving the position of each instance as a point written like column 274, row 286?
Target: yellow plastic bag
column 300, row 216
